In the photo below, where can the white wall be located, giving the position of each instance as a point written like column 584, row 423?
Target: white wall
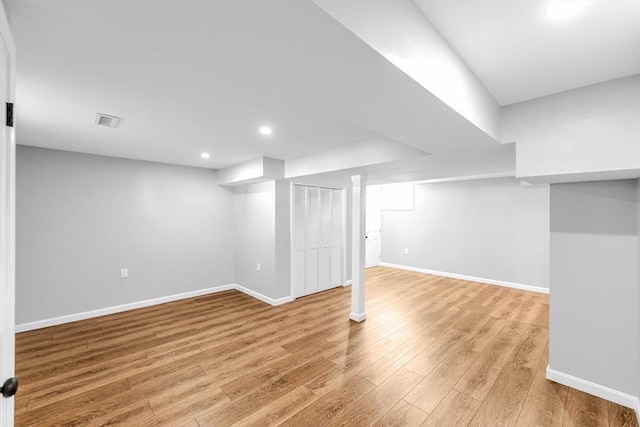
column 492, row 229
column 255, row 235
column 594, row 327
column 262, row 235
column 80, row 218
column 586, row 134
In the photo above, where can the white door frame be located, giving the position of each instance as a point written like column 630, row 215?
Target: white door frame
column 7, row 225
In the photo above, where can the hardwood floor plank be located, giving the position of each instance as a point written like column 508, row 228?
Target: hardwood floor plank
column 255, row 399
column 396, row 359
column 189, row 392
column 350, row 367
column 82, row 409
column 50, row 354
column 509, row 304
column 402, row 414
column 280, row 410
column 481, row 375
column 456, row 409
column 546, row 401
column 529, row 351
column 375, row 404
column 332, row 404
column 236, row 365
column 149, row 383
column 184, row 403
column 251, row 381
column 619, row 416
column 134, row 414
column 506, row 397
column 435, row 353
column 77, row 363
column 21, row 405
column 78, row 382
column 536, row 412
column 585, row 410
column 428, row 394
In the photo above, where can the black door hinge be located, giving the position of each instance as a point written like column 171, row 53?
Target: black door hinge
column 10, row 114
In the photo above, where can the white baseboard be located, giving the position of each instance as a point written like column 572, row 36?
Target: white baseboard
column 23, row 327
column 118, row 308
column 263, row 298
column 358, row 317
column 347, row 283
column 470, row 278
column 597, row 390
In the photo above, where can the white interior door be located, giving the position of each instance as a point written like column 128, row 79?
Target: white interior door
column 324, row 240
column 313, row 234
column 318, row 239
column 299, row 239
column 373, row 225
column 7, row 222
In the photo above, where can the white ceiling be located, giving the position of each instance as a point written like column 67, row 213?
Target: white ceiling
column 520, row 54
column 190, row 76
column 193, row 76
column 185, row 80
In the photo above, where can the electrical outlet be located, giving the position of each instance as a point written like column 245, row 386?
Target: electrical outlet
column 258, row 267
column 124, row 273
column 406, row 251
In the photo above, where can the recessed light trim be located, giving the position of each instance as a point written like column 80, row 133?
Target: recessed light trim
column 559, row 10
column 205, row 155
column 106, row 120
column 265, row 130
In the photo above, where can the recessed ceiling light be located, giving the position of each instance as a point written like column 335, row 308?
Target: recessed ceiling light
column 205, row 155
column 266, row 130
column 106, row 120
column 559, row 10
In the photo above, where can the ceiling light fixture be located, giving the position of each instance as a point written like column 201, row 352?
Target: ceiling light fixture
column 559, row 10
column 106, row 120
column 265, row 130
column 205, row 155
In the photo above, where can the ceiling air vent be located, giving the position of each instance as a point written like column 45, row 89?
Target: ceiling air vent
column 106, row 120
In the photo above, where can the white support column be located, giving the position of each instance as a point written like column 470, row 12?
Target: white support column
column 359, row 203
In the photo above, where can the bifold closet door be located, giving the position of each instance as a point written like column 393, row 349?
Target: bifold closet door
column 324, row 240
column 313, row 231
column 299, row 239
column 318, row 239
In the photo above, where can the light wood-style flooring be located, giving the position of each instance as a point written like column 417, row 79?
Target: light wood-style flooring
column 433, row 352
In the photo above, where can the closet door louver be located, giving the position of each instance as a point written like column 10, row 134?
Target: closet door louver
column 299, row 239
column 324, row 243
column 313, row 230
